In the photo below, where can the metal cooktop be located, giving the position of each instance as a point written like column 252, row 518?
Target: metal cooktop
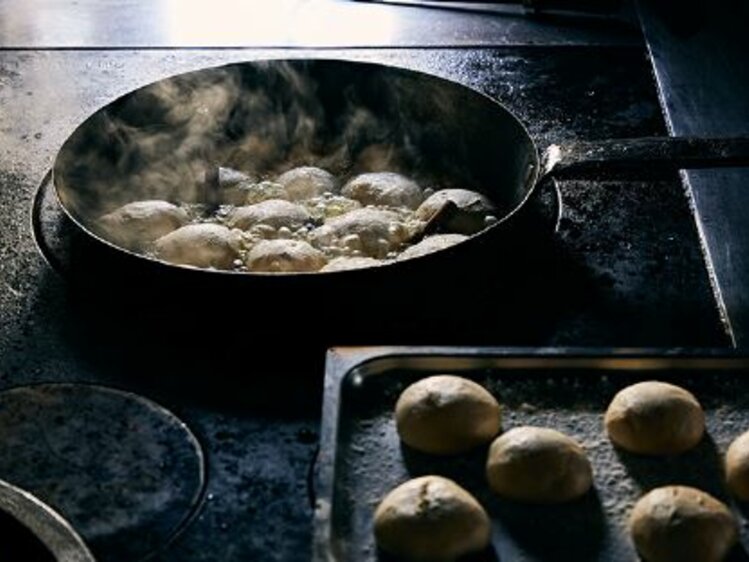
column 624, row 269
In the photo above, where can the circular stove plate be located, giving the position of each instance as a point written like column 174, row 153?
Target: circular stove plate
column 126, row 473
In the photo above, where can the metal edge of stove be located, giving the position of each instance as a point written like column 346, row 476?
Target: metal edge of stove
column 345, row 362
column 682, row 51
column 46, row 524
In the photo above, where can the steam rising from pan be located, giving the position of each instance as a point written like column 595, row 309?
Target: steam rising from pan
column 267, row 117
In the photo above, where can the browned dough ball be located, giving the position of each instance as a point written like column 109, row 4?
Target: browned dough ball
column 682, row 524
column 346, row 264
column 655, row 418
column 384, row 188
column 538, row 465
column 283, row 256
column 431, row 519
column 273, row 212
column 737, row 467
column 445, row 414
column 199, row 245
column 472, row 209
column 307, row 182
column 378, row 231
column 431, row 244
column 135, row 225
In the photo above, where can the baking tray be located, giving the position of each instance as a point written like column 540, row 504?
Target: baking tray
column 361, row 457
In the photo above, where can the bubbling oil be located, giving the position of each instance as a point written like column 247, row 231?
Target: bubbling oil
column 398, row 227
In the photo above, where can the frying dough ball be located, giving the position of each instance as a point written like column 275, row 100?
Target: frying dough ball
column 274, row 212
column 655, row 418
column 384, row 188
column 307, row 182
column 328, row 207
column 379, row 231
column 135, row 225
column 284, row 256
column 344, row 264
column 470, row 217
column 232, row 184
column 445, row 414
column 431, row 244
column 682, row 524
column 538, row 465
column 431, row 519
column 199, row 245
column 737, row 467
column 261, row 191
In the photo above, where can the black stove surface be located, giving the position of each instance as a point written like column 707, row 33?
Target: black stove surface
column 624, row 269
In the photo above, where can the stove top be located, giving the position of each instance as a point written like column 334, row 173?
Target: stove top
column 624, row 269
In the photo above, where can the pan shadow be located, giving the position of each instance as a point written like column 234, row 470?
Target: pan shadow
column 573, row 530
column 700, row 467
column 486, row 555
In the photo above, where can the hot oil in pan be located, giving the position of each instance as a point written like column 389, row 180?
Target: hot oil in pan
column 371, row 459
column 263, row 119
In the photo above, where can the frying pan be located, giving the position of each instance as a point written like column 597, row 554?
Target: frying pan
column 269, row 116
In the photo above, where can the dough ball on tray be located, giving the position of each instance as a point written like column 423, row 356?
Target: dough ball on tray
column 446, row 414
column 655, row 418
column 737, row 467
column 682, row 524
column 538, row 465
column 431, row 519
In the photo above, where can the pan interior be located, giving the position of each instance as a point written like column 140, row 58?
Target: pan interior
column 270, row 116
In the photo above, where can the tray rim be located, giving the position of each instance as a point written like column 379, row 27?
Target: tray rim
column 343, row 362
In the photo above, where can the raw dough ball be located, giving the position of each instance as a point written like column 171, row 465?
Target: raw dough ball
column 431, row 519
column 737, row 467
column 135, row 225
column 470, row 218
column 199, row 245
column 344, row 264
column 384, row 188
column 538, row 465
column 682, row 524
column 445, row 414
column 274, row 212
column 655, row 418
column 284, row 256
column 379, row 231
column 431, row 244
column 307, row 182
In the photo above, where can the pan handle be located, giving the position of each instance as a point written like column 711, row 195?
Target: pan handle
column 652, row 154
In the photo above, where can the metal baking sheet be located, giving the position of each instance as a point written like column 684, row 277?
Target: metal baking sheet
column 361, row 457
